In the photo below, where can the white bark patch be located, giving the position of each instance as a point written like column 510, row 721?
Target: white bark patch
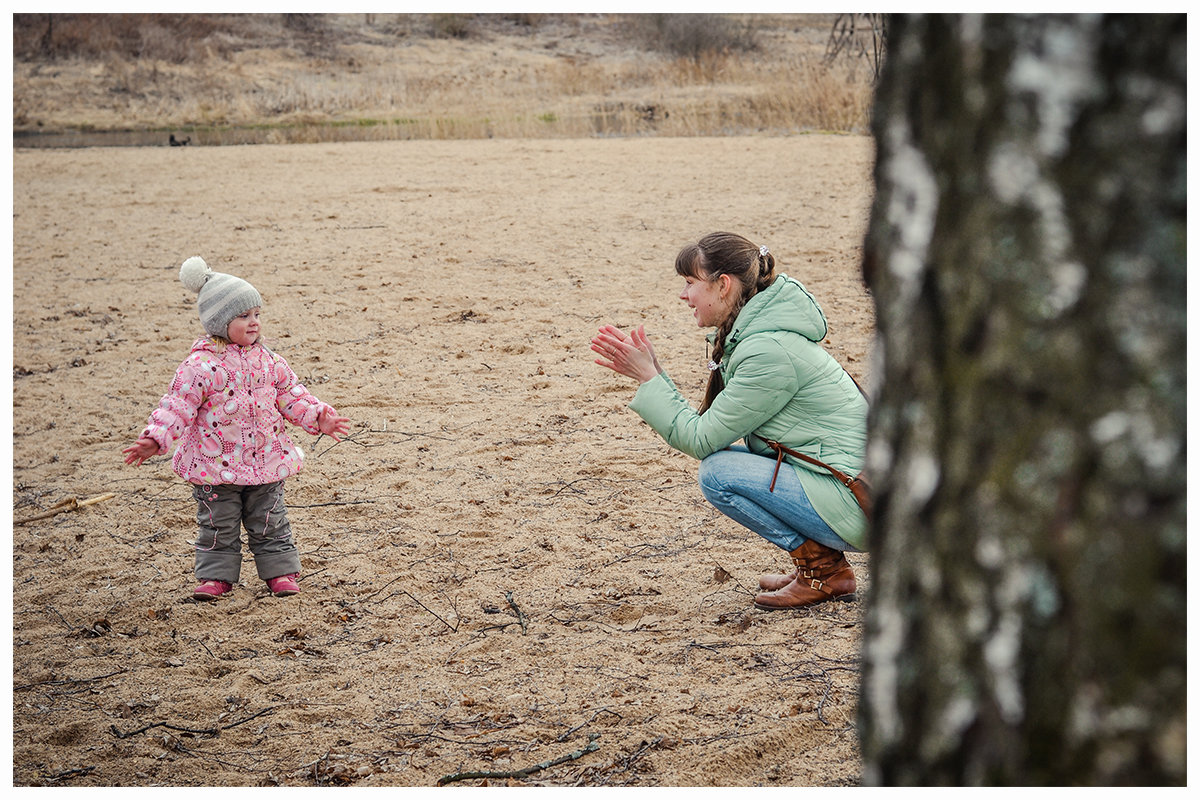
column 1167, row 114
column 1060, row 74
column 1015, row 178
column 956, row 717
column 989, row 552
column 1159, row 453
column 924, row 474
column 1155, row 450
column 1110, row 427
column 883, row 651
column 1069, row 279
column 1002, row 650
column 1012, row 173
column 1000, row 653
column 1052, row 219
column 879, row 456
column 1123, row 435
column 912, row 208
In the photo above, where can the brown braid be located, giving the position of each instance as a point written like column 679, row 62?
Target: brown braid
column 719, row 254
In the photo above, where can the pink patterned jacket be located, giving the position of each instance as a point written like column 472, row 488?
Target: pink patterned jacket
column 227, row 408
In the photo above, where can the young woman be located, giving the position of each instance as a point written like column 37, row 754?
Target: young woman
column 771, row 382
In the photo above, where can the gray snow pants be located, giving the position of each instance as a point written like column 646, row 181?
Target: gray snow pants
column 222, row 511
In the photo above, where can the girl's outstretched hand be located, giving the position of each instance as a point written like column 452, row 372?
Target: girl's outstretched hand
column 631, row 355
column 332, row 425
column 140, row 450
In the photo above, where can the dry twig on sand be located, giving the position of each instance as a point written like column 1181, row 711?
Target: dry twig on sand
column 59, row 777
column 70, row 504
column 520, row 613
column 410, row 596
column 524, row 773
column 201, row 731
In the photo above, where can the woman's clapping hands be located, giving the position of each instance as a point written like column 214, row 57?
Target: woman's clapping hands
column 629, row 354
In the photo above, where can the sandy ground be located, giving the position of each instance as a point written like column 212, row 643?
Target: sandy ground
column 503, row 566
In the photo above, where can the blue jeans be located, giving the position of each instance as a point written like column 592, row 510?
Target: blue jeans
column 737, row 482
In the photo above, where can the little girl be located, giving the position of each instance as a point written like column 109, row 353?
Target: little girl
column 228, row 402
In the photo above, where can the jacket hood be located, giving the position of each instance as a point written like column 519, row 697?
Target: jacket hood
column 785, row 305
column 206, row 344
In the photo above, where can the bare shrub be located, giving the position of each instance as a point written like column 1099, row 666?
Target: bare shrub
column 160, row 42
column 167, row 37
column 859, row 36
column 305, row 23
column 696, row 36
column 450, row 26
column 526, row 20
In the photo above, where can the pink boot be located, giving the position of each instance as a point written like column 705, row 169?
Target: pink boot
column 211, row 590
column 284, row 585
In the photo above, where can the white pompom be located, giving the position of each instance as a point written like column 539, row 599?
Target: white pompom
column 194, row 273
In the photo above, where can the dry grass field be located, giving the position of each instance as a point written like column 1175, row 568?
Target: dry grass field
column 508, row 579
column 224, row 79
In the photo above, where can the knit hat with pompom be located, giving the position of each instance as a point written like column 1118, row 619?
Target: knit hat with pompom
column 222, row 297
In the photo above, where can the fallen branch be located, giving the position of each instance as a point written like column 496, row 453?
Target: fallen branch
column 453, row 628
column 524, row 773
column 599, row 711
column 70, row 504
column 642, row 750
column 331, row 503
column 58, row 777
column 520, row 614
column 66, row 682
column 201, row 731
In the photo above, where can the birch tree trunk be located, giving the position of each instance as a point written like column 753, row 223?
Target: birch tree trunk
column 1027, row 253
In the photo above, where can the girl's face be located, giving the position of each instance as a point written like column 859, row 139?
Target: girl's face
column 710, row 299
column 243, row 329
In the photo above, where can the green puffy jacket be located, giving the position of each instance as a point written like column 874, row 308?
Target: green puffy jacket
column 780, row 384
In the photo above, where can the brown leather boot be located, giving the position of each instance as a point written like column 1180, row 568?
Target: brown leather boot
column 771, row 583
column 822, row 574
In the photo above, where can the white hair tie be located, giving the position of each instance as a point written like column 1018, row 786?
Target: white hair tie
column 763, row 251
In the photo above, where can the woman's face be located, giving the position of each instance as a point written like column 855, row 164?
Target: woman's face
column 709, row 299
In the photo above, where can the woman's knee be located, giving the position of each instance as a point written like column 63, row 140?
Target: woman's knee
column 713, row 476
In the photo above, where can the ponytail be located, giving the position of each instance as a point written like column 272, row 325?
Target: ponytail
column 766, row 269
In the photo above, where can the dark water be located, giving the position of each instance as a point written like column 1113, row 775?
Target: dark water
column 599, row 125
column 604, row 122
column 206, row 138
